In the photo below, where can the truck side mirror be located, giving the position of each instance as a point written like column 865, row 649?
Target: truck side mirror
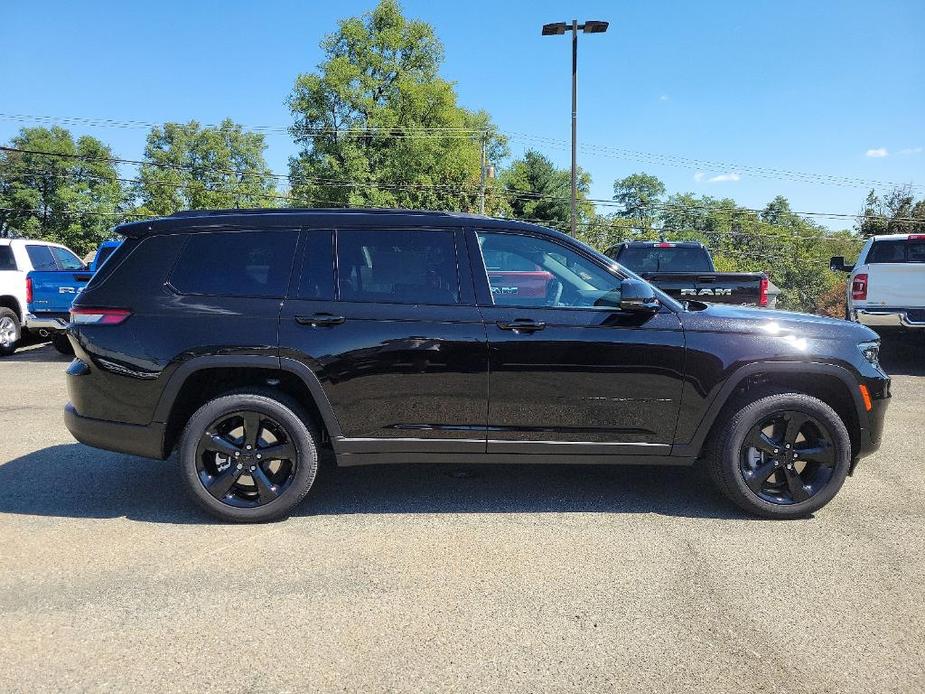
column 837, row 264
column 638, row 297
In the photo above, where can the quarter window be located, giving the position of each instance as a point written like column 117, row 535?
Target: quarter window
column 403, row 266
column 7, row 261
column 529, row 271
column 235, row 263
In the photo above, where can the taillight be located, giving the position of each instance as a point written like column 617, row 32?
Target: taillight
column 28, row 290
column 916, row 237
column 859, row 287
column 763, row 292
column 99, row 316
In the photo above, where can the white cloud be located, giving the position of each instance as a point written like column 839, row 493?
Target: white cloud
column 911, row 150
column 722, row 178
column 699, row 176
column 876, row 153
column 664, row 97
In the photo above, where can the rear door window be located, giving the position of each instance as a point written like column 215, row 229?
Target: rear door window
column 236, row 263
column 7, row 261
column 41, row 257
column 317, row 280
column 413, row 266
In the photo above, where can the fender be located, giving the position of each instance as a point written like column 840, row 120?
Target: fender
column 693, row 447
column 305, row 374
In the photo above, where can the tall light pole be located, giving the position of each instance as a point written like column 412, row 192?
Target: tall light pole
column 558, row 29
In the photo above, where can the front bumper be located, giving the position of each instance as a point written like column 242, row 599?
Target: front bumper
column 51, row 323
column 890, row 317
column 145, row 441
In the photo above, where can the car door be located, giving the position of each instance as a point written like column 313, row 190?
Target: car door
column 387, row 321
column 569, row 371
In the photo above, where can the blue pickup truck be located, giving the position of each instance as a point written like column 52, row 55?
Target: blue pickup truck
column 49, row 294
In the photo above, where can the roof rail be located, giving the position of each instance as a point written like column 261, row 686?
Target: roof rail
column 302, row 210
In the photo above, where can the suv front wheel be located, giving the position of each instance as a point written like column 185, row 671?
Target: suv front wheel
column 249, row 457
column 782, row 456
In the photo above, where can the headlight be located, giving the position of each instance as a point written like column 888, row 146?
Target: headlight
column 871, row 352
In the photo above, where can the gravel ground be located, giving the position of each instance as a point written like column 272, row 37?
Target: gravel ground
column 420, row 578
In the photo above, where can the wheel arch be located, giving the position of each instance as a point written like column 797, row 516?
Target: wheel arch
column 11, row 302
column 829, row 383
column 200, row 379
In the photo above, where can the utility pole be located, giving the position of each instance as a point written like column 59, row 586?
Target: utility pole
column 482, row 176
column 557, row 29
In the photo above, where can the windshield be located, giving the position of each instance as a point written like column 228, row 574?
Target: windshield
column 621, row 269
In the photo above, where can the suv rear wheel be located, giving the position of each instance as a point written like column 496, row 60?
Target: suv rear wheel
column 249, row 457
column 781, row 456
column 10, row 331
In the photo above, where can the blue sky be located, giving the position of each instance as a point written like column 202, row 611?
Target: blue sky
column 826, row 87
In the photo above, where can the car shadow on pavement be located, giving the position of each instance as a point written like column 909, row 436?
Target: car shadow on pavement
column 80, row 482
column 903, row 354
column 39, row 352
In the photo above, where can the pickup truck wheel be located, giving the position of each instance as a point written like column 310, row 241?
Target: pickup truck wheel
column 10, row 331
column 781, row 456
column 60, row 342
column 249, row 457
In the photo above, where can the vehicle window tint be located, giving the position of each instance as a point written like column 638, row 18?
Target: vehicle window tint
column 240, row 263
column 317, row 280
column 66, row 259
column 41, row 258
column 409, row 267
column 654, row 259
column 526, row 270
column 897, row 251
column 7, row 261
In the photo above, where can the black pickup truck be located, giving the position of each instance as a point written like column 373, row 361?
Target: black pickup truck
column 684, row 270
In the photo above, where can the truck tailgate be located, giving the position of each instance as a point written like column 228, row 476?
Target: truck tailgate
column 55, row 290
column 896, row 285
column 717, row 287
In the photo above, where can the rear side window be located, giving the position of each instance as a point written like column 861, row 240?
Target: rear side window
column 7, row 261
column 317, row 281
column 897, row 251
column 66, row 259
column 41, row 258
column 238, row 263
column 403, row 266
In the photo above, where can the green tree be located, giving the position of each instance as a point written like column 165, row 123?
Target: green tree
column 638, row 195
column 535, row 189
column 74, row 198
column 897, row 212
column 191, row 167
column 378, row 126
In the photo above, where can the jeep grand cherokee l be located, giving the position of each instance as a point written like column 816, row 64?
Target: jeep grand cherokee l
column 246, row 341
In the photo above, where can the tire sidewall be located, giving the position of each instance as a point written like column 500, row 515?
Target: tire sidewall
column 300, row 434
column 766, row 407
column 9, row 313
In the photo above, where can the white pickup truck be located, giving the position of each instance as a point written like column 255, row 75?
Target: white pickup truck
column 18, row 257
column 886, row 287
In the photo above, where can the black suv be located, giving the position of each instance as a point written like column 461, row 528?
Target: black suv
column 248, row 341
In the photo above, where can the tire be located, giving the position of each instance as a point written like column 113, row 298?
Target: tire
column 60, row 342
column 202, row 464
column 10, row 331
column 816, row 471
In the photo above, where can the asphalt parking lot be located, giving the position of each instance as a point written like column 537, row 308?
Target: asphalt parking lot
column 418, row 578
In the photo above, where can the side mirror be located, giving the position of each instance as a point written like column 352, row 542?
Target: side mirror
column 638, row 297
column 837, row 264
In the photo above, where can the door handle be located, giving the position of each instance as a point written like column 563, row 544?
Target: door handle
column 320, row 319
column 706, row 279
column 526, row 325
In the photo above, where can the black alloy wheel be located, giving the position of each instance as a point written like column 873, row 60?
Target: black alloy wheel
column 246, row 459
column 787, row 458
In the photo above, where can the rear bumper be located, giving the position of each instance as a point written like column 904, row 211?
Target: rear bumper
column 52, row 322
column 145, row 441
column 890, row 317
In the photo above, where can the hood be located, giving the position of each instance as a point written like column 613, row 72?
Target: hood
column 742, row 319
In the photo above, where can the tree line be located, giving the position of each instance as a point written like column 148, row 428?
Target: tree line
column 377, row 126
